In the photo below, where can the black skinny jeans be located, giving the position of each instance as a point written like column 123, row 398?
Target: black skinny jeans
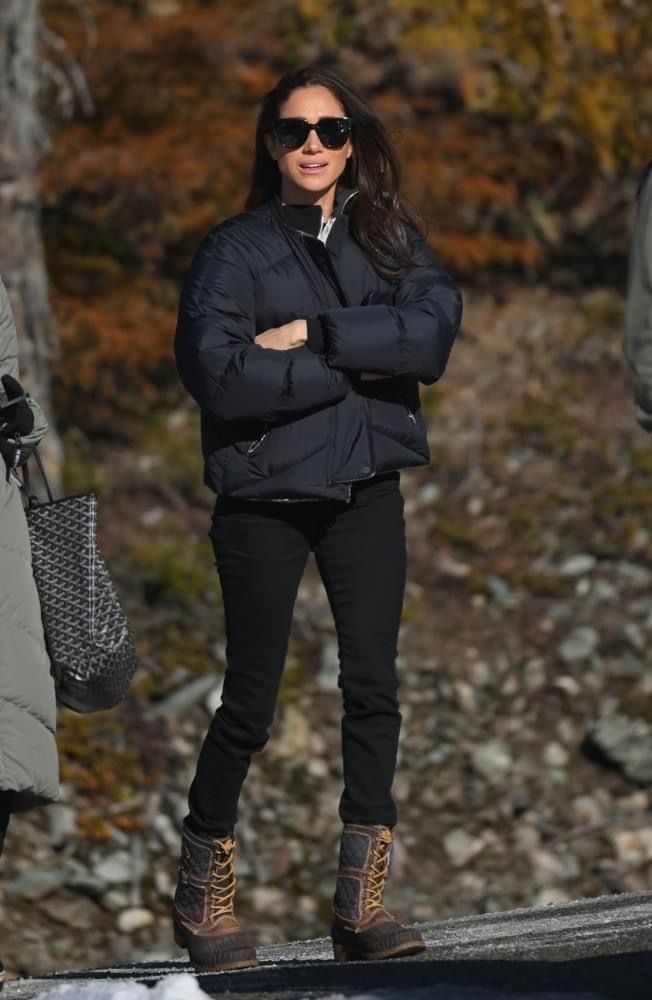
column 261, row 549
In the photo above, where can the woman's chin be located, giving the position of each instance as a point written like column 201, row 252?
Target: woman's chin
column 317, row 183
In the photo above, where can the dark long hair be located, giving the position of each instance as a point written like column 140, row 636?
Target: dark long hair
column 379, row 216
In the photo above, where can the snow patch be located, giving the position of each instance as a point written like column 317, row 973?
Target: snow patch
column 178, row 987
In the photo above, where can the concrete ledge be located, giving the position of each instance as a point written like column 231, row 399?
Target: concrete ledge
column 601, row 946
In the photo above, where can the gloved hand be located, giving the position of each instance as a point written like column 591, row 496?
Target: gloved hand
column 8, row 452
column 16, row 415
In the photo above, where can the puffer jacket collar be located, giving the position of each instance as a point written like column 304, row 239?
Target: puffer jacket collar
column 307, row 219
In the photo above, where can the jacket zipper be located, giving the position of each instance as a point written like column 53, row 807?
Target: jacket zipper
column 255, row 445
column 331, row 445
column 411, row 416
column 370, row 437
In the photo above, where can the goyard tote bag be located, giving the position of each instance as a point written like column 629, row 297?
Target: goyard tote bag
column 88, row 637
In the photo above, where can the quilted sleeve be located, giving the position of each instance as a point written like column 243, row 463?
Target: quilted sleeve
column 412, row 336
column 220, row 364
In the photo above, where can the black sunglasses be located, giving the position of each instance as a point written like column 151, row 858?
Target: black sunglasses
column 292, row 132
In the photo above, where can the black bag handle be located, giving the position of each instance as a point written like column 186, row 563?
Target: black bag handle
column 32, row 499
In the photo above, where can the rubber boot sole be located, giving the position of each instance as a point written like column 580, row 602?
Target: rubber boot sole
column 349, row 953
column 215, row 954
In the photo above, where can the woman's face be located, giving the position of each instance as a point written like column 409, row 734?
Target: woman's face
column 310, row 173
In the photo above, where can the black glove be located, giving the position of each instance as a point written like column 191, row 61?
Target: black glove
column 16, row 415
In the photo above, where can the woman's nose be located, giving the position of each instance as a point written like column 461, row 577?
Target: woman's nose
column 312, row 142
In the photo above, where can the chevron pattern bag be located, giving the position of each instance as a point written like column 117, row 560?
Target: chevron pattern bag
column 89, row 640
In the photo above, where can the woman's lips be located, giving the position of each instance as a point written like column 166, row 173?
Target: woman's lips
column 312, row 168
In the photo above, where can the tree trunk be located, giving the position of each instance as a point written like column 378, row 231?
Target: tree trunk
column 22, row 262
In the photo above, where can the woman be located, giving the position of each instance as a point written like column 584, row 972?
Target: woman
column 305, row 324
column 28, row 754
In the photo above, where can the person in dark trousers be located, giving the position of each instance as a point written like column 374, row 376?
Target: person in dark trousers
column 29, row 768
column 638, row 305
column 305, row 325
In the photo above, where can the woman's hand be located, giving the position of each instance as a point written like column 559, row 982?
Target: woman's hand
column 284, row 338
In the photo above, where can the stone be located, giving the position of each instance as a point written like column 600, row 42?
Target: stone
column 527, row 838
column 461, row 847
column 269, row 900
column 603, row 590
column 548, row 868
column 470, row 883
column 317, row 767
column 568, row 685
column 637, row 802
column 633, row 634
column 578, row 644
column 492, row 760
column 590, row 810
column 294, row 737
column 555, row 755
column 633, row 847
column 501, row 592
column 534, row 674
column 166, row 831
column 634, row 574
column 134, row 919
column 465, row 696
column 551, row 895
column 429, row 494
column 35, row 885
column 578, row 565
column 213, row 699
column 186, row 697
column 165, row 884
column 625, row 742
column 567, row 732
column 481, row 673
column 85, row 883
column 475, row 506
column 329, row 666
column 450, row 566
column 62, row 820
column 115, row 868
column 79, row 914
column 115, row 900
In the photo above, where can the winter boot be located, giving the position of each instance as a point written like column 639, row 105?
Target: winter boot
column 362, row 928
column 204, row 921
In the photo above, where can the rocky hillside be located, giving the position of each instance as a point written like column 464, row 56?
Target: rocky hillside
column 526, row 753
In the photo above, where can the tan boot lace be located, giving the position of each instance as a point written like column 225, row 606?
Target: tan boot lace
column 222, row 881
column 379, row 869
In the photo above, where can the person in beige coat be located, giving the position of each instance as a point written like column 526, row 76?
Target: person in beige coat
column 29, row 774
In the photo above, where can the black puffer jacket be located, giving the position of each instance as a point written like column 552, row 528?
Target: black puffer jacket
column 302, row 424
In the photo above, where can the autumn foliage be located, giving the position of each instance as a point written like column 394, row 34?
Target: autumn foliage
column 521, row 124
